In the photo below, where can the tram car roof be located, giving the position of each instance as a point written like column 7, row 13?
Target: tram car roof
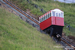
column 56, row 10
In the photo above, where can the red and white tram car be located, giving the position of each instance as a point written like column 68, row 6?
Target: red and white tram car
column 52, row 22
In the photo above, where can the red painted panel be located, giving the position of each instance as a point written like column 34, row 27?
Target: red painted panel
column 53, row 20
column 45, row 24
column 59, row 21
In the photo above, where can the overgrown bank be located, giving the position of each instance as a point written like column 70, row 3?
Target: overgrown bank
column 48, row 5
column 16, row 34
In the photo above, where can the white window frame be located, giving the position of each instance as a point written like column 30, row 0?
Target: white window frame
column 53, row 14
column 50, row 14
column 62, row 14
column 47, row 16
column 59, row 15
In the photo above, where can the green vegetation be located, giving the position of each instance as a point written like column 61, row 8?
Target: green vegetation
column 15, row 34
column 69, row 10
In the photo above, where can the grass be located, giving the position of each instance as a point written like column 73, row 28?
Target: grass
column 69, row 10
column 15, row 34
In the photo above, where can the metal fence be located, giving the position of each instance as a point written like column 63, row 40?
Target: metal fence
column 43, row 11
column 36, row 6
column 70, row 28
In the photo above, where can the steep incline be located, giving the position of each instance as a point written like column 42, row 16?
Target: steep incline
column 16, row 34
column 47, row 5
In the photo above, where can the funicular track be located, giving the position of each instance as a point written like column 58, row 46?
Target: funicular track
column 37, row 22
column 71, row 47
column 66, row 45
column 21, row 11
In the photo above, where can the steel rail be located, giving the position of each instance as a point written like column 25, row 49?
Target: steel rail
column 21, row 11
column 68, row 43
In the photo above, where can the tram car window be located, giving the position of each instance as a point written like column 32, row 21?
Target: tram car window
column 48, row 15
column 53, row 13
